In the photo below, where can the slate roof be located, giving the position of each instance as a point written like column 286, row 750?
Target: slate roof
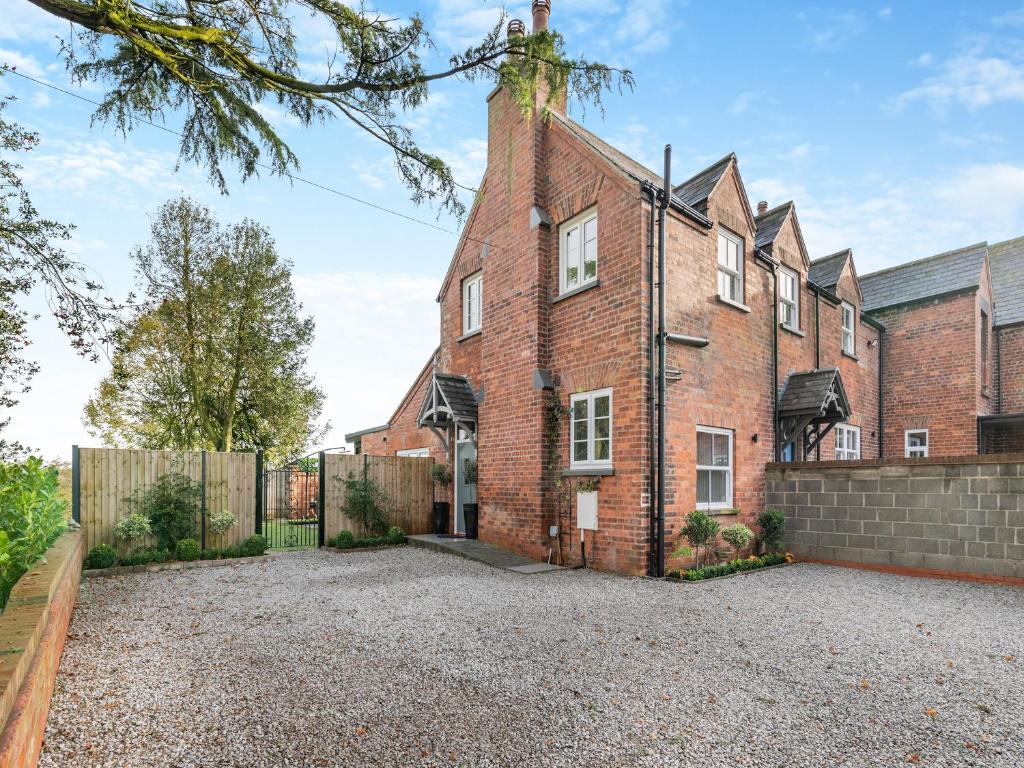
column 458, row 394
column 696, row 190
column 944, row 273
column 616, row 157
column 1006, row 260
column 807, row 393
column 826, row 271
column 769, row 223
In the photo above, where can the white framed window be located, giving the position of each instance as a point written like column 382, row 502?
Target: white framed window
column 577, row 251
column 714, row 468
column 413, row 452
column 847, row 442
column 789, row 298
column 730, row 266
column 849, row 324
column 915, row 443
column 590, row 414
column 472, row 303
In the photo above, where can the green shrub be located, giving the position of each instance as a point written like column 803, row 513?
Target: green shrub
column 102, row 556
column 343, row 540
column 161, row 555
column 133, row 528
column 171, row 505
column 772, row 523
column 211, row 553
column 440, row 474
column 254, row 546
column 138, row 558
column 220, row 522
column 395, row 535
column 32, row 515
column 727, row 569
column 365, row 503
column 188, row 550
column 738, row 537
column 700, row 531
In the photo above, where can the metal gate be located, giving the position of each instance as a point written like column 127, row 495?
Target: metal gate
column 291, row 514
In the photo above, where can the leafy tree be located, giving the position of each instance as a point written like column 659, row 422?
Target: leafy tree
column 219, row 61
column 701, row 531
column 31, row 256
column 213, row 356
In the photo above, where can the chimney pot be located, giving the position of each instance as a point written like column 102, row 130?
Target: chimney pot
column 541, row 14
column 762, row 208
column 516, row 28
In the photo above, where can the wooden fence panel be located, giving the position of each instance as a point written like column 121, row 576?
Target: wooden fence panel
column 111, row 477
column 405, row 480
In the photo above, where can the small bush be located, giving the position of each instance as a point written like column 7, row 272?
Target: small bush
column 220, row 522
column 772, row 523
column 440, row 474
column 171, row 505
column 138, row 558
column 738, row 537
column 161, row 555
column 727, row 569
column 188, row 550
column 211, row 553
column 395, row 535
column 102, row 556
column 343, row 540
column 254, row 546
column 132, row 528
column 365, row 503
column 700, row 531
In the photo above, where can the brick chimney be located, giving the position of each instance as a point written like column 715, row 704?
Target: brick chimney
column 541, row 14
column 516, row 28
column 762, row 208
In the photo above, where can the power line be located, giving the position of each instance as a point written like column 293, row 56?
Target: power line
column 291, row 176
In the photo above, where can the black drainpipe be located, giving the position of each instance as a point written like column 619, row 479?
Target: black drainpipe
column 881, row 366
column 662, row 238
column 775, row 362
column 652, row 557
column 817, row 330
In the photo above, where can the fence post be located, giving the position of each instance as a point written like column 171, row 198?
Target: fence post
column 259, row 492
column 202, row 527
column 76, row 486
column 321, row 466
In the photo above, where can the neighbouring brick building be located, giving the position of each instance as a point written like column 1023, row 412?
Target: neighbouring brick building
column 544, row 376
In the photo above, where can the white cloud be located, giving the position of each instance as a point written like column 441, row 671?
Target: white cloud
column 885, row 13
column 25, row 22
column 924, row 60
column 468, row 160
column 747, row 100
column 906, row 219
column 831, row 30
column 1010, row 19
column 372, row 181
column 21, row 62
column 971, row 81
column 374, row 333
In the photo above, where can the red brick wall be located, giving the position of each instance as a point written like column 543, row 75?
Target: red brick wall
column 931, row 376
column 35, row 621
column 1009, row 341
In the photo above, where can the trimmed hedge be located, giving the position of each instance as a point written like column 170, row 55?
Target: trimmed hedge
column 187, row 550
column 727, row 569
column 347, row 540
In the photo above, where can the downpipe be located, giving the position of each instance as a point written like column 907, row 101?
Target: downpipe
column 662, row 238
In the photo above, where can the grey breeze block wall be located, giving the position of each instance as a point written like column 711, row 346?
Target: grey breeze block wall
column 964, row 515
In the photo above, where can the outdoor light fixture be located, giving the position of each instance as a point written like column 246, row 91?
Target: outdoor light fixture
column 753, row 438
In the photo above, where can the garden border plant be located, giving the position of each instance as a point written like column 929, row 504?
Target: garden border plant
column 731, row 568
column 104, row 557
column 347, row 540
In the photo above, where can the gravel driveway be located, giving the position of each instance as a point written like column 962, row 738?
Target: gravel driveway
column 405, row 657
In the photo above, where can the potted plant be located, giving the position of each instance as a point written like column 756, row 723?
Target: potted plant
column 586, row 503
column 442, row 476
column 470, row 511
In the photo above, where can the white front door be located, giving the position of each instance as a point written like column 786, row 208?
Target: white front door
column 465, row 451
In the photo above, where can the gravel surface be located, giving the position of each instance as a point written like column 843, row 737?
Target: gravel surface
column 405, row 657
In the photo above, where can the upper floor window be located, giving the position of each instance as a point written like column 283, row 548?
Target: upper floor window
column 714, row 468
column 591, row 415
column 915, row 443
column 849, row 334
column 789, row 298
column 577, row 251
column 847, row 442
column 730, row 266
column 984, row 349
column 472, row 303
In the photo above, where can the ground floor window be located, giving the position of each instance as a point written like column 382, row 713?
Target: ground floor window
column 591, row 415
column 915, row 443
column 714, row 468
column 413, row 452
column 847, row 442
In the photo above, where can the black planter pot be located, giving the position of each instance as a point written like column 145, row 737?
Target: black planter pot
column 440, row 517
column 471, row 514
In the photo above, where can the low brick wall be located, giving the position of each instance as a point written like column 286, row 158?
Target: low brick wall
column 32, row 631
column 943, row 516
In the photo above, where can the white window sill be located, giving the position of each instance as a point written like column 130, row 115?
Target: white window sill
column 470, row 335
column 794, row 331
column 734, row 304
column 576, row 291
column 588, row 471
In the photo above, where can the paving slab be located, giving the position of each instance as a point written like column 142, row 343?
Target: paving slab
column 482, row 552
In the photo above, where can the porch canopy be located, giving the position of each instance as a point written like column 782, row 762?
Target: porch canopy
column 812, row 403
column 450, row 404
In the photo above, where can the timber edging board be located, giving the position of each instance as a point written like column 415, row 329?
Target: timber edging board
column 33, row 628
column 177, row 565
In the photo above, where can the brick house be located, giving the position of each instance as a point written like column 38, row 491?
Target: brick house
column 545, row 370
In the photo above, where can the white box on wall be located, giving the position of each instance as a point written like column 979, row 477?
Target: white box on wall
column 586, row 510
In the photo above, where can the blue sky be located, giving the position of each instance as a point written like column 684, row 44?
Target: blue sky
column 896, row 127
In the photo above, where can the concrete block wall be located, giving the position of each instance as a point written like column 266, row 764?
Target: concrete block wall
column 950, row 515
